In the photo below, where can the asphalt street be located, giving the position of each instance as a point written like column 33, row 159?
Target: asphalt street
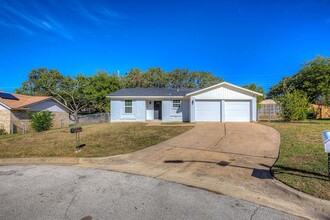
column 59, row 192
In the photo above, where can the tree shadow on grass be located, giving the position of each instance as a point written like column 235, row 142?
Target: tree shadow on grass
column 296, row 172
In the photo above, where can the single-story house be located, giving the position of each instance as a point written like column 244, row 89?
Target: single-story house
column 223, row 102
column 14, row 110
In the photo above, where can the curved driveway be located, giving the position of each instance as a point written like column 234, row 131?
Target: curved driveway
column 227, row 158
column 240, row 151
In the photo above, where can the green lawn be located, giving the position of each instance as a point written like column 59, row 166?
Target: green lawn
column 302, row 162
column 101, row 140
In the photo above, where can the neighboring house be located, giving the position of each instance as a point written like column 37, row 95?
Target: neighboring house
column 269, row 110
column 223, row 102
column 14, row 110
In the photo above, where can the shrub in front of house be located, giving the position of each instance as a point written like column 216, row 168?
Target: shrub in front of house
column 294, row 106
column 41, row 121
column 2, row 131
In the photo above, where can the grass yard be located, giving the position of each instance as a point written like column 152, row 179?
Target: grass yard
column 302, row 162
column 101, row 140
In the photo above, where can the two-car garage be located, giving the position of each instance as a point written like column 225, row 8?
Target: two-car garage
column 223, row 102
column 223, row 111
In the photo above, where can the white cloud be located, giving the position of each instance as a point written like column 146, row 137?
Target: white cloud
column 47, row 25
column 35, row 17
column 97, row 13
column 29, row 22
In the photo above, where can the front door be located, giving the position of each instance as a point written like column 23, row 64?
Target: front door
column 158, row 110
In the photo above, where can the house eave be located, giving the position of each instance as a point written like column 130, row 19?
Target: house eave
column 220, row 85
column 6, row 106
column 50, row 98
column 19, row 109
column 145, row 97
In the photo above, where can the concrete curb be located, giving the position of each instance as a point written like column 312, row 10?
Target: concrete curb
column 298, row 204
column 40, row 161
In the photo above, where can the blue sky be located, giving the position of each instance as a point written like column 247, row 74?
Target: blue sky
column 241, row 41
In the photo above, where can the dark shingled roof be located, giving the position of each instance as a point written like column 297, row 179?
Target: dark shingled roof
column 152, row 92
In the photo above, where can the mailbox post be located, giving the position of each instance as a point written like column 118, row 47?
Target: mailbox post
column 76, row 130
column 326, row 142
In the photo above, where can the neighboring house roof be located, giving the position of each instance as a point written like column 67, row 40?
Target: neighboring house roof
column 24, row 101
column 166, row 92
column 151, row 92
column 268, row 102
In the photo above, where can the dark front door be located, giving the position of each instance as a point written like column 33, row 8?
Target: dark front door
column 157, row 110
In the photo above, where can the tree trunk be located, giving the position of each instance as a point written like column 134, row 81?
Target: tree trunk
column 76, row 117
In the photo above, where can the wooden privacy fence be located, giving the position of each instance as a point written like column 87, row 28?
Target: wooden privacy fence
column 321, row 111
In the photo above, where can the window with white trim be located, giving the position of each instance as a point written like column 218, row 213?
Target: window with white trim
column 128, row 107
column 176, row 103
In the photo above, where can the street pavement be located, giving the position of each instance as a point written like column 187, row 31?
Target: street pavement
column 72, row 192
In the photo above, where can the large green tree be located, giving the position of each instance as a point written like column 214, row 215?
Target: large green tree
column 256, row 88
column 35, row 83
column 134, row 79
column 77, row 93
column 313, row 79
column 203, row 79
column 66, row 89
column 178, row 78
column 154, row 78
column 98, row 86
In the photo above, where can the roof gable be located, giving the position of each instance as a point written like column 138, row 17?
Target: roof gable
column 24, row 101
column 226, row 85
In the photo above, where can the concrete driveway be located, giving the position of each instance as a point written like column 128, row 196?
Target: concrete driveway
column 241, row 151
column 227, row 158
column 232, row 150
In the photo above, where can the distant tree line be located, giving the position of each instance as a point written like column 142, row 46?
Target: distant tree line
column 82, row 93
column 178, row 78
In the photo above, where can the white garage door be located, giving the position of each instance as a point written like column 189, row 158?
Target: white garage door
column 207, row 111
column 237, row 111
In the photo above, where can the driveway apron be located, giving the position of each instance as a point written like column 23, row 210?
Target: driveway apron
column 228, row 158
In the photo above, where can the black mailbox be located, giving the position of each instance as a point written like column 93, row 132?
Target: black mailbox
column 76, row 130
